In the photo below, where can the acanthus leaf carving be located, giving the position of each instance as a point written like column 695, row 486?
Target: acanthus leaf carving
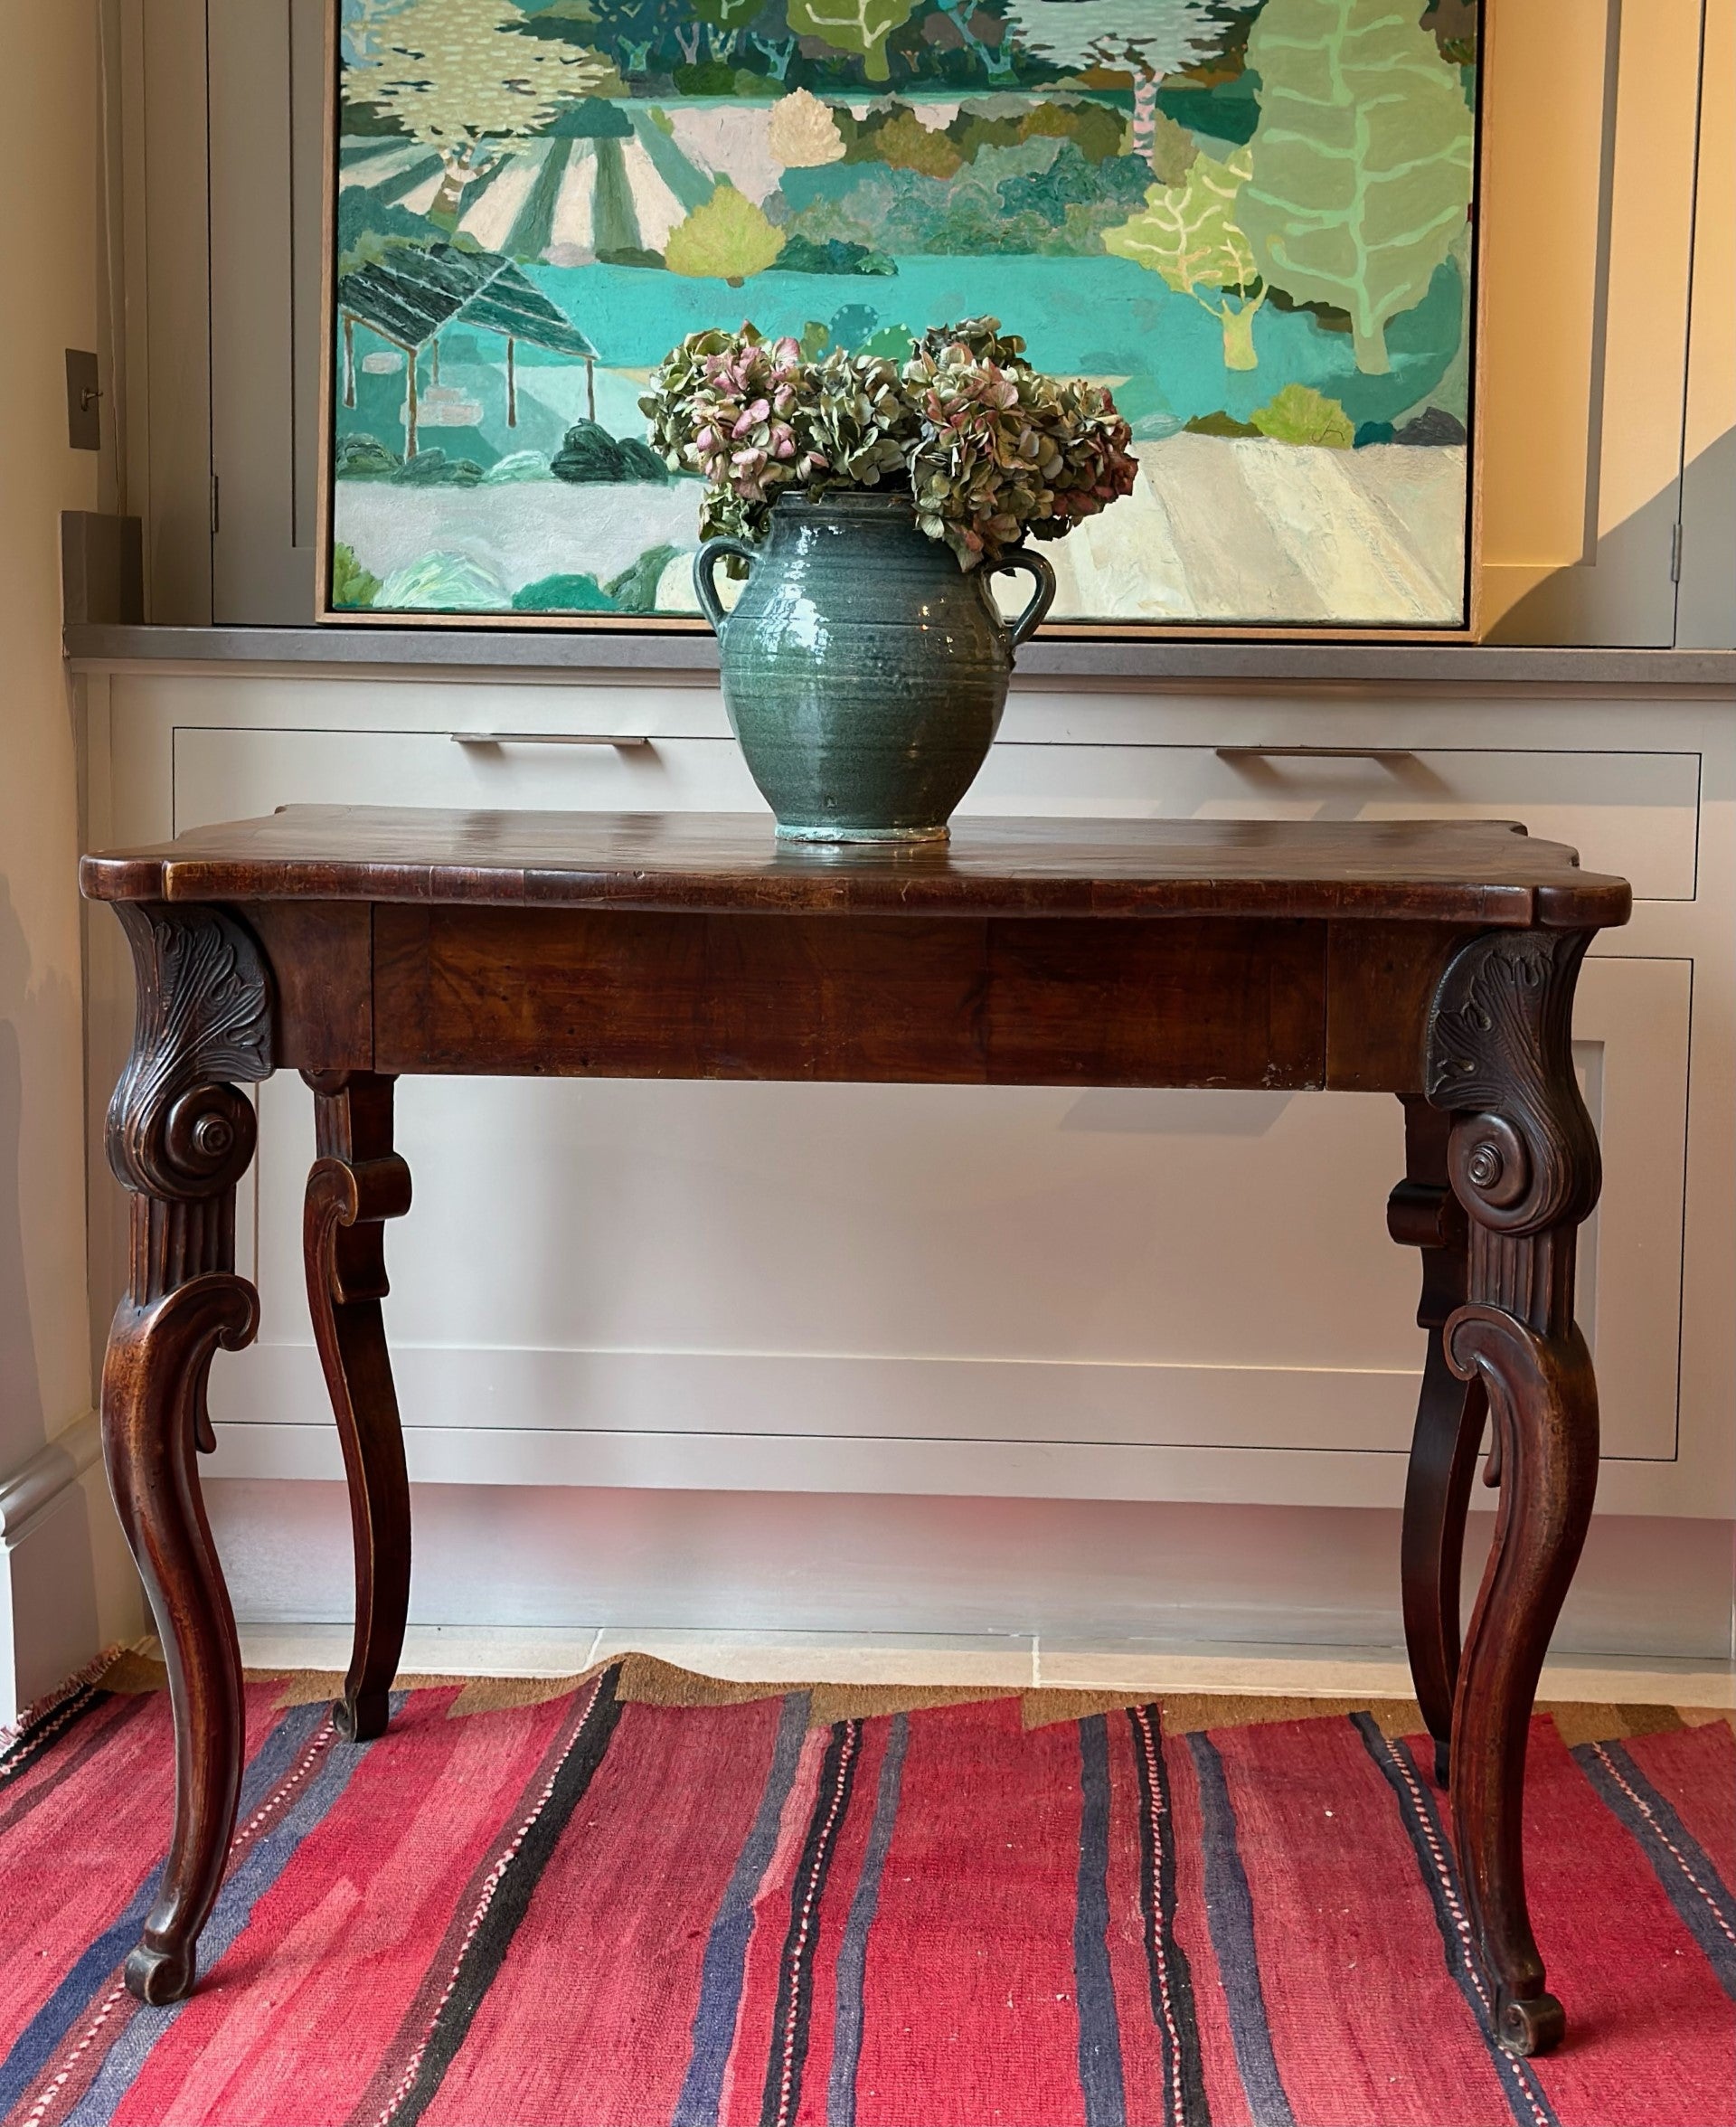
column 1523, row 1154
column 177, row 1127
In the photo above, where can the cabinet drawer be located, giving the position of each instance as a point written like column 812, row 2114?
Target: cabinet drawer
column 239, row 774
column 1635, row 813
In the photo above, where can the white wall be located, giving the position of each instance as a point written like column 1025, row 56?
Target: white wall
column 55, row 1524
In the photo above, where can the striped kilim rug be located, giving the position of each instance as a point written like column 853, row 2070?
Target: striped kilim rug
column 636, row 1898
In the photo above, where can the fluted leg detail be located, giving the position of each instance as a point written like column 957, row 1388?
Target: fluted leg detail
column 180, row 1136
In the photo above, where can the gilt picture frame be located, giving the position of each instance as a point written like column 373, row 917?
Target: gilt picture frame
column 519, row 221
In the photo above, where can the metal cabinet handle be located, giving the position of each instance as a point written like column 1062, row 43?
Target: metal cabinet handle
column 1315, row 752
column 505, row 738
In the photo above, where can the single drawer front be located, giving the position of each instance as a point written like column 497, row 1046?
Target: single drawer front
column 1634, row 814
column 920, row 1000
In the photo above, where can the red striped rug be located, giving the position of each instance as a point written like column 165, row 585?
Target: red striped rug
column 785, row 1908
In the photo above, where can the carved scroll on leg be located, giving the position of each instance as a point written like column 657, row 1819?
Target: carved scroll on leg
column 1523, row 1158
column 180, row 1136
column 153, row 1387
column 1422, row 1213
column 356, row 1183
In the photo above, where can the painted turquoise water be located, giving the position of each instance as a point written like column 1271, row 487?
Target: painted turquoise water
column 1091, row 316
column 1096, row 316
column 1080, row 316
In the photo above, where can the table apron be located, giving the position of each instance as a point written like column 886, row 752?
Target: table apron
column 1242, row 1002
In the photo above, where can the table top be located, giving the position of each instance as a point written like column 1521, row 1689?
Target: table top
column 1485, row 872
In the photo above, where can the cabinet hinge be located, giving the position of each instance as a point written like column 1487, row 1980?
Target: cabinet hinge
column 1676, row 551
column 214, row 506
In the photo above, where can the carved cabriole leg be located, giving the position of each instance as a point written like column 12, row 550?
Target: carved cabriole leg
column 1422, row 1213
column 356, row 1183
column 1523, row 1158
column 180, row 1137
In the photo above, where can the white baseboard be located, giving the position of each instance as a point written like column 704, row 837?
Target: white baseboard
column 50, row 1620
column 31, row 1490
column 1081, row 1573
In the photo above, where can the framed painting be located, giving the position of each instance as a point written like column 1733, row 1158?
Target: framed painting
column 1253, row 220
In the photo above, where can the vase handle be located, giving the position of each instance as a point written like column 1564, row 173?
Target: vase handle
column 706, row 575
column 1041, row 598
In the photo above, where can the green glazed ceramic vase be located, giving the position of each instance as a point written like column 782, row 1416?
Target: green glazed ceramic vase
column 864, row 672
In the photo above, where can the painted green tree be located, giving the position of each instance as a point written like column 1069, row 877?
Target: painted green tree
column 726, row 25
column 1146, row 39
column 1188, row 232
column 363, row 26
column 995, row 59
column 1361, row 160
column 853, row 26
column 726, row 239
column 456, row 75
column 1300, row 414
column 801, row 133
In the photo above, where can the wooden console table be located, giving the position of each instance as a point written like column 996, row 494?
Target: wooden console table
column 1435, row 961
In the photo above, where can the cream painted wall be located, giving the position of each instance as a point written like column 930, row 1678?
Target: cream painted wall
column 1706, row 612
column 1590, row 246
column 57, row 1534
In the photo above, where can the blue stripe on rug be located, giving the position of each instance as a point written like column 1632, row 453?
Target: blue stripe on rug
column 96, row 1969
column 726, row 1948
column 1230, row 1912
column 853, row 1951
column 1100, row 2029
column 259, row 1869
column 1519, row 2084
column 1681, row 1864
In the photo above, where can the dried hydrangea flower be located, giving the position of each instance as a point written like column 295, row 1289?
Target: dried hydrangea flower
column 991, row 450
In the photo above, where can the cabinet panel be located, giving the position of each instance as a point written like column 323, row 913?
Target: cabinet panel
column 239, row 774
column 893, row 1288
column 1631, row 1027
